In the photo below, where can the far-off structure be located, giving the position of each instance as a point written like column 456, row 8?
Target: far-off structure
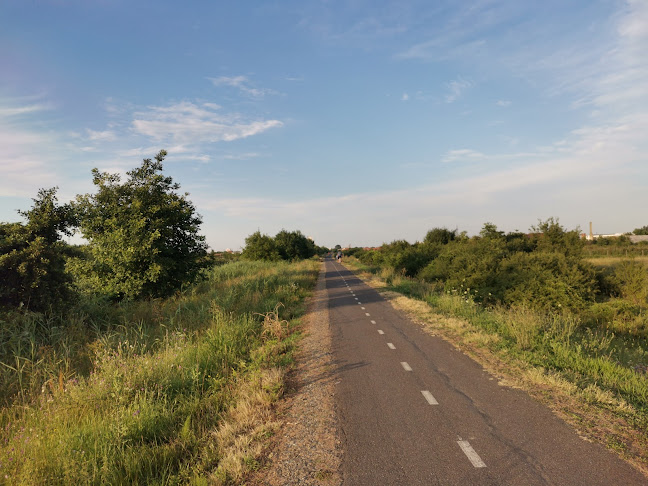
column 633, row 238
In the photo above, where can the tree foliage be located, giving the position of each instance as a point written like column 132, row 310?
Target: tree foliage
column 293, row 245
column 32, row 256
column 260, row 247
column 286, row 245
column 143, row 235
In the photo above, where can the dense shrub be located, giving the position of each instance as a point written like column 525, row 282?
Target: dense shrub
column 286, row 245
column 440, row 236
column 32, row 256
column 293, row 245
column 470, row 265
column 631, row 279
column 545, row 280
column 260, row 247
column 542, row 270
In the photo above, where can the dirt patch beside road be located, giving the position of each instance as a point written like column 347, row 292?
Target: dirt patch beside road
column 307, row 451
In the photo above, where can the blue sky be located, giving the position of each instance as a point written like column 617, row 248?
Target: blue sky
column 357, row 122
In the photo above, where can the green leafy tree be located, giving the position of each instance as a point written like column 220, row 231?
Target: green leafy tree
column 552, row 237
column 441, row 236
column 260, row 247
column 143, row 235
column 489, row 230
column 293, row 245
column 32, row 256
column 641, row 231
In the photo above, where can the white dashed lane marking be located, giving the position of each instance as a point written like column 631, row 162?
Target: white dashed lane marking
column 428, row 396
column 380, row 331
column 373, row 322
column 473, row 457
column 361, row 307
column 367, row 314
column 405, row 366
column 391, row 346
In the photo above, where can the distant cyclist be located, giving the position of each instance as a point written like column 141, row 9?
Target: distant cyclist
column 338, row 257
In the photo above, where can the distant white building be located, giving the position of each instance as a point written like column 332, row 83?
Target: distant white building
column 594, row 237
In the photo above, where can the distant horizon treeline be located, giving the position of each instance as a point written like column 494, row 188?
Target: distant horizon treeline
column 286, row 245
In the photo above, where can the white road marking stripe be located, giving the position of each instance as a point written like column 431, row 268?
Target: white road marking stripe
column 355, row 298
column 405, row 366
column 473, row 457
column 391, row 346
column 361, row 307
column 428, row 396
column 380, row 331
column 359, row 303
column 367, row 314
column 373, row 322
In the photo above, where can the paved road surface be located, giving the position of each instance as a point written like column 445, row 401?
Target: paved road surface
column 413, row 410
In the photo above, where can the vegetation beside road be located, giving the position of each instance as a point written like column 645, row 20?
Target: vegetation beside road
column 138, row 357
column 173, row 391
column 535, row 309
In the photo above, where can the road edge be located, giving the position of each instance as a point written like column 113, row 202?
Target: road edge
column 307, row 449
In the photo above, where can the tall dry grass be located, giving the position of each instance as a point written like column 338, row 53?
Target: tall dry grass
column 173, row 391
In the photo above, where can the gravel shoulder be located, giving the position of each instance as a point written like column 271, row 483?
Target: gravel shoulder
column 307, row 451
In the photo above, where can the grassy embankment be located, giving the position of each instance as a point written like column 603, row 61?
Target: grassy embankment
column 174, row 391
column 593, row 377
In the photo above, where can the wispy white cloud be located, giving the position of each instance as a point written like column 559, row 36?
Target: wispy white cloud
column 440, row 50
column 456, row 89
column 605, row 69
column 462, row 154
column 199, row 158
column 362, row 25
column 405, row 97
column 243, row 84
column 28, row 149
column 243, row 156
column 7, row 111
column 503, row 103
column 101, row 136
column 193, row 123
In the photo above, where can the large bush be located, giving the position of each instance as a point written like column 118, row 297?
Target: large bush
column 143, row 235
column 631, row 279
column 32, row 256
column 543, row 270
column 470, row 266
column 286, row 245
column 545, row 280
column 260, row 247
column 293, row 245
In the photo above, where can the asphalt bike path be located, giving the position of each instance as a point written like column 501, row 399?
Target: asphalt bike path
column 414, row 410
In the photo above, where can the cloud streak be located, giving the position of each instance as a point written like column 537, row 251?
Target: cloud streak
column 243, row 84
column 193, row 123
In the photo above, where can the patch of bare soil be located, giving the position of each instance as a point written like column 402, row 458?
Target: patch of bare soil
column 307, row 450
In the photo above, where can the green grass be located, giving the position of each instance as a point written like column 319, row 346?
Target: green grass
column 150, row 392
